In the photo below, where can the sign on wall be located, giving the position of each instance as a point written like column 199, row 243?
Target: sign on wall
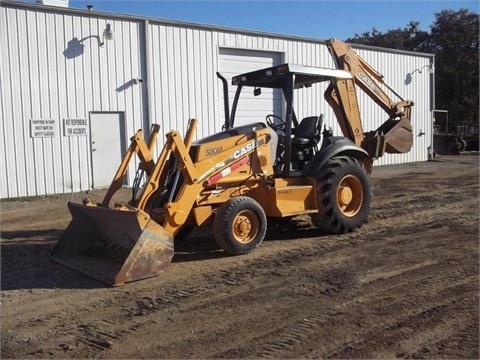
column 75, row 127
column 43, row 128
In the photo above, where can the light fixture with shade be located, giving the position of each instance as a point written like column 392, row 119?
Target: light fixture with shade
column 107, row 34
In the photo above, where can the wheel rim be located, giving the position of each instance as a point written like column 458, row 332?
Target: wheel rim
column 350, row 195
column 245, row 226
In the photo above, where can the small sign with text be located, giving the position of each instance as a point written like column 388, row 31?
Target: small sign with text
column 43, row 128
column 75, row 127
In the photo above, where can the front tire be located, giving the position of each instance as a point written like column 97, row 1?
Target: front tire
column 239, row 225
column 343, row 194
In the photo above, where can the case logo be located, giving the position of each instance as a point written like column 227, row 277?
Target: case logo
column 246, row 149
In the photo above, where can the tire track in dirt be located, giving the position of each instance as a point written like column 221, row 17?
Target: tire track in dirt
column 310, row 330
column 421, row 320
column 185, row 306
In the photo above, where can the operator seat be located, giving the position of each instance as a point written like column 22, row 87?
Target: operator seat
column 308, row 131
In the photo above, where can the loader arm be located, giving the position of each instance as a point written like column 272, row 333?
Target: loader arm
column 144, row 152
column 395, row 134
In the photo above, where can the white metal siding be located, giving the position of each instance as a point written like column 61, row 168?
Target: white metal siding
column 250, row 108
column 182, row 78
column 43, row 77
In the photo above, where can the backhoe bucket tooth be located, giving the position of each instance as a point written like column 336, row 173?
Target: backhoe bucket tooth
column 114, row 246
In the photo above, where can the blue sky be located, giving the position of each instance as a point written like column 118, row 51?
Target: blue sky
column 306, row 18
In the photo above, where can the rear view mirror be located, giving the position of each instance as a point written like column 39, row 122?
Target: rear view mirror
column 257, row 91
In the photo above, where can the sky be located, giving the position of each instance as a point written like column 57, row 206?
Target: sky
column 320, row 19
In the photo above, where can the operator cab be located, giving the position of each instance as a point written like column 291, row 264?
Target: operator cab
column 298, row 140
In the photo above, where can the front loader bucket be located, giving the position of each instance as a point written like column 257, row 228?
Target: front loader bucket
column 114, row 246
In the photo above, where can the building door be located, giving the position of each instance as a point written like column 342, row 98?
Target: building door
column 250, row 109
column 108, row 145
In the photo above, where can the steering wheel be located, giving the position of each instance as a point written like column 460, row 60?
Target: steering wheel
column 271, row 122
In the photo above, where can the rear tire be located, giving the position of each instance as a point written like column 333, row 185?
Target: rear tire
column 239, row 225
column 462, row 144
column 343, row 194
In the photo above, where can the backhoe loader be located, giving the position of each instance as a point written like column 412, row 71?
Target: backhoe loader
column 236, row 179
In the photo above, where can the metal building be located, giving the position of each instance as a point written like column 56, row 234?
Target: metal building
column 71, row 98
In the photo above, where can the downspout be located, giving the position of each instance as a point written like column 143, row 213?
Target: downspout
column 431, row 151
column 146, row 73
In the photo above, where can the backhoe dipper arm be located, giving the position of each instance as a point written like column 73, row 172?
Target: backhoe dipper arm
column 395, row 134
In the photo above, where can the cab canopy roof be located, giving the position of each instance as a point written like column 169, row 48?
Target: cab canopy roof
column 274, row 77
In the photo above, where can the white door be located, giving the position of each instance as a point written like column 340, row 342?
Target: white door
column 107, row 135
column 250, row 108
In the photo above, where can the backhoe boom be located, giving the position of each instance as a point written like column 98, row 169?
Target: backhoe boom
column 395, row 134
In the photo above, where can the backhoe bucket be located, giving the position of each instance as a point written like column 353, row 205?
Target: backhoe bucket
column 398, row 136
column 114, row 246
column 393, row 137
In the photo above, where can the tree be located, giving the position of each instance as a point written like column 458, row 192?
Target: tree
column 454, row 39
column 408, row 38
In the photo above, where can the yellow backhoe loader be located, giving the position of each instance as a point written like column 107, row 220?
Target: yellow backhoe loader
column 238, row 178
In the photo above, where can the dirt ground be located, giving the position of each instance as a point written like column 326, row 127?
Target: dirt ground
column 406, row 285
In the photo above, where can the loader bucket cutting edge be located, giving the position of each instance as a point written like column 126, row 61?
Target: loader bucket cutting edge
column 113, row 246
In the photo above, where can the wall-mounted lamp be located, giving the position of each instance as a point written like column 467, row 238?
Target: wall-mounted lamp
column 430, row 67
column 409, row 76
column 107, row 34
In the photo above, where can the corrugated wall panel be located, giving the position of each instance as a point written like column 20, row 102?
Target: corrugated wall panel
column 56, row 69
column 183, row 80
column 8, row 178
